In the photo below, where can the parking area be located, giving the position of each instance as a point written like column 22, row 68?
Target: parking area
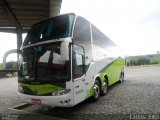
column 137, row 97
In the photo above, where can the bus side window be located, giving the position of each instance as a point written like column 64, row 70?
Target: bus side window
column 82, row 37
column 78, row 62
column 77, row 65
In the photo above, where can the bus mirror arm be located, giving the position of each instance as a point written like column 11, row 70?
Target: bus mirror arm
column 10, row 52
column 84, row 66
column 84, row 56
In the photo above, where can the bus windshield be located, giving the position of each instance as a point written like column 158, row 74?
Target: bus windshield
column 53, row 28
column 43, row 63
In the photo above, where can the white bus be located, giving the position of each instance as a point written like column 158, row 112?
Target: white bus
column 65, row 60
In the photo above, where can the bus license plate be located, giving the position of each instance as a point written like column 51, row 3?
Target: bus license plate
column 36, row 101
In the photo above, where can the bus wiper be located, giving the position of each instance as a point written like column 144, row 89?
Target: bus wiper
column 50, row 60
column 36, row 64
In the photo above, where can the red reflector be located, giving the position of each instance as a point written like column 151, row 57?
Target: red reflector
column 36, row 101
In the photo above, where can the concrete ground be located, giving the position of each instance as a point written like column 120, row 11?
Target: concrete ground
column 138, row 97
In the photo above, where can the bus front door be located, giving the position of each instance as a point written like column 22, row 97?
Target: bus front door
column 78, row 73
column 79, row 89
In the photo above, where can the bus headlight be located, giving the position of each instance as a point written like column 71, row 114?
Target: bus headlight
column 61, row 92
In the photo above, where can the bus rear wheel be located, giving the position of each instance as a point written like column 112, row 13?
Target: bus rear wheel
column 121, row 77
column 105, row 87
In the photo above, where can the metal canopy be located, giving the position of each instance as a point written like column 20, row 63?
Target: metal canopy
column 21, row 14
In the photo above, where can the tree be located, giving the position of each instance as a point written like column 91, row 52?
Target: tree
column 11, row 66
column 158, row 52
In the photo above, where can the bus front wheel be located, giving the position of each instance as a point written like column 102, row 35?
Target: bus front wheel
column 96, row 89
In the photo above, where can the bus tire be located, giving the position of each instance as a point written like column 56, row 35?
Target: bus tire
column 96, row 93
column 121, row 79
column 105, row 87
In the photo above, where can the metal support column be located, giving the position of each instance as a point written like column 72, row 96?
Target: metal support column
column 19, row 38
column 52, row 10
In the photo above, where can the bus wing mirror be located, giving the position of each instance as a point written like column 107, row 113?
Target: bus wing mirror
column 10, row 52
column 64, row 51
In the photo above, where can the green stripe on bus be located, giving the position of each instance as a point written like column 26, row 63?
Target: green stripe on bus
column 40, row 89
column 113, row 71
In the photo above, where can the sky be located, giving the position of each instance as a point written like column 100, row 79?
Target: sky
column 8, row 42
column 134, row 25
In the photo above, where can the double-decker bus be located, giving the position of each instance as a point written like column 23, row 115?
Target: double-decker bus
column 65, row 60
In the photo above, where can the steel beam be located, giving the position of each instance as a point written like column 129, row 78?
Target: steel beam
column 12, row 30
column 8, row 30
column 5, row 7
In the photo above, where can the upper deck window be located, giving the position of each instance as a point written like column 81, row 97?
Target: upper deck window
column 53, row 28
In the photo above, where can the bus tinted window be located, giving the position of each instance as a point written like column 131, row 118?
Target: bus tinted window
column 78, row 54
column 82, row 37
column 102, row 46
column 54, row 28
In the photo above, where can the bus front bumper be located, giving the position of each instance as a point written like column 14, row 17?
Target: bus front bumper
column 56, row 101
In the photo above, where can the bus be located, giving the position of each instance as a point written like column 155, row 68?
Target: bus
column 65, row 60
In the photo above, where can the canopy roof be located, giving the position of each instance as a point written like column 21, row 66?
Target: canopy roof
column 21, row 14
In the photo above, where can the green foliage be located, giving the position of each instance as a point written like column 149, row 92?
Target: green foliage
column 1, row 66
column 9, row 66
column 144, row 60
column 155, row 59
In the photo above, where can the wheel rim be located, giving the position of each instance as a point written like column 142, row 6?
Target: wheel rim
column 96, row 90
column 104, row 86
column 121, row 79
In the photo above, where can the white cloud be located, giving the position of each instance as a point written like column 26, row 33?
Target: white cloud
column 132, row 24
column 8, row 42
column 126, row 22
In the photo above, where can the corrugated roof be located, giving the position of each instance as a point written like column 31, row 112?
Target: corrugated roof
column 24, row 13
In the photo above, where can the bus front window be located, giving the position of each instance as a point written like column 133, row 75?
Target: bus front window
column 48, row 65
column 27, row 64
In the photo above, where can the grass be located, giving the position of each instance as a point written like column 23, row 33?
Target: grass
column 155, row 59
column 147, row 59
column 1, row 66
column 153, row 65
